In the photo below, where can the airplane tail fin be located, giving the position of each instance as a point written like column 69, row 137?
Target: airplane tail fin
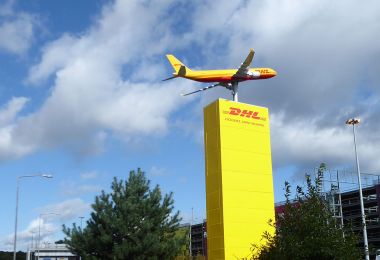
column 179, row 68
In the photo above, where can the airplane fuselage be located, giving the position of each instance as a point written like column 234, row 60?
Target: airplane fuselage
column 228, row 78
column 229, row 75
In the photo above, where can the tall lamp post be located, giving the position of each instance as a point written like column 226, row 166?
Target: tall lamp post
column 353, row 122
column 17, row 194
column 39, row 230
column 81, row 220
column 81, row 230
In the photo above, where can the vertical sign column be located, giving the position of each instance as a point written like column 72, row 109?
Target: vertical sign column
column 239, row 184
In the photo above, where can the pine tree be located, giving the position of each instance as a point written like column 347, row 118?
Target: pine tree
column 131, row 222
column 307, row 229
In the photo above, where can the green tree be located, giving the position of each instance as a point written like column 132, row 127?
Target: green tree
column 9, row 255
column 307, row 229
column 184, row 232
column 131, row 222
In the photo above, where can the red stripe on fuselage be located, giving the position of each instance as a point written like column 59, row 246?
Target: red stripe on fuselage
column 227, row 78
column 212, row 79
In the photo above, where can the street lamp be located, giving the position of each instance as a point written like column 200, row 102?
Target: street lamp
column 81, row 230
column 32, row 239
column 81, row 220
column 353, row 122
column 17, row 192
column 39, row 230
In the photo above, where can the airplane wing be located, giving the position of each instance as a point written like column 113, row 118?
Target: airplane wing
column 244, row 67
column 202, row 89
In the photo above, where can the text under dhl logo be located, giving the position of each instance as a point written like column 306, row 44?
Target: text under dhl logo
column 244, row 113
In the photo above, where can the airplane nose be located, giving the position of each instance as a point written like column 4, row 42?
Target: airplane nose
column 274, row 73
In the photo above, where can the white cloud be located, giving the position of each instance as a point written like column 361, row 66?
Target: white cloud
column 8, row 121
column 74, row 189
column 89, row 175
column 106, row 80
column 93, row 97
column 307, row 144
column 16, row 29
column 9, row 112
column 42, row 229
column 67, row 210
column 49, row 225
column 327, row 66
column 56, row 55
column 78, row 188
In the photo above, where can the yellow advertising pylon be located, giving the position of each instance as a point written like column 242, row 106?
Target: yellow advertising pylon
column 239, row 183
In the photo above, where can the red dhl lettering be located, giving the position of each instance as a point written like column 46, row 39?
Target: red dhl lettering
column 244, row 113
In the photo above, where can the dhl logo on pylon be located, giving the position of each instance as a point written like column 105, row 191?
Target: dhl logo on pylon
column 245, row 113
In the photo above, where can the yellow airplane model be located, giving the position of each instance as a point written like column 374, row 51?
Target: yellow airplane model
column 229, row 78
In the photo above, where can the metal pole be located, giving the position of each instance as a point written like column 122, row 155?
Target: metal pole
column 366, row 252
column 191, row 223
column 16, row 219
column 235, row 91
column 39, row 230
column 81, row 218
column 39, row 237
column 17, row 195
column 33, row 246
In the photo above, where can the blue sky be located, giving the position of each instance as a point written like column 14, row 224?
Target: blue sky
column 82, row 98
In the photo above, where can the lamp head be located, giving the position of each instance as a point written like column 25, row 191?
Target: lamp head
column 353, row 121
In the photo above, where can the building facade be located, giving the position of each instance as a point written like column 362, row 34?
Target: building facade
column 199, row 239
column 51, row 252
column 352, row 217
